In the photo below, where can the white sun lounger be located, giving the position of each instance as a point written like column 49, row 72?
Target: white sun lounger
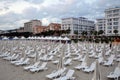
column 110, row 61
column 68, row 62
column 91, row 68
column 56, row 73
column 14, row 58
column 26, row 61
column 55, row 61
column 9, row 57
column 40, row 68
column 17, row 61
column 32, row 66
column 68, row 76
column 115, row 74
column 3, row 54
column 83, row 65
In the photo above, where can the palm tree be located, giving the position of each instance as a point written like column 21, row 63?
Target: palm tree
column 115, row 31
column 100, row 32
column 95, row 33
column 76, row 32
column 91, row 33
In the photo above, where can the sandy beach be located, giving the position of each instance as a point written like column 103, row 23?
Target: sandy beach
column 9, row 71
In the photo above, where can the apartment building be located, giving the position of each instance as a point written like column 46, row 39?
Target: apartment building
column 54, row 26
column 78, row 25
column 29, row 26
column 112, row 16
column 39, row 29
column 21, row 29
column 100, row 24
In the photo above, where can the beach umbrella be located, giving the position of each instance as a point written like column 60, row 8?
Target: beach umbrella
column 55, row 38
column 36, row 55
column 86, row 58
column 97, row 74
column 103, row 52
column 22, row 38
column 119, row 64
column 15, row 38
column 60, row 64
column 5, row 38
column 60, row 39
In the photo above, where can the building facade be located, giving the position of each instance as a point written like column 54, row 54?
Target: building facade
column 21, row 29
column 77, row 25
column 54, row 26
column 39, row 29
column 112, row 16
column 29, row 26
column 100, row 24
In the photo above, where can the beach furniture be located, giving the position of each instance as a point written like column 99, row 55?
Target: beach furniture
column 56, row 73
column 17, row 61
column 40, row 68
column 110, row 61
column 13, row 57
column 55, row 61
column 81, row 66
column 100, row 60
column 9, row 57
column 32, row 66
column 108, row 52
column 115, row 74
column 5, row 54
column 68, row 76
column 77, row 58
column 91, row 68
column 26, row 61
column 68, row 62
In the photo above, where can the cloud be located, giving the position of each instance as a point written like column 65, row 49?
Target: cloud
column 13, row 13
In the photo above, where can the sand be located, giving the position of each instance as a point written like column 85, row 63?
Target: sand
column 9, row 71
column 12, row 72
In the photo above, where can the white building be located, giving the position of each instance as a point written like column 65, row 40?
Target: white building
column 100, row 24
column 112, row 16
column 77, row 25
column 29, row 26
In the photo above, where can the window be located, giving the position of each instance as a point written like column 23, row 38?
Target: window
column 114, row 11
column 115, row 14
column 115, row 27
column 115, row 23
column 109, row 31
column 109, row 23
column 115, row 19
column 109, row 27
column 109, row 15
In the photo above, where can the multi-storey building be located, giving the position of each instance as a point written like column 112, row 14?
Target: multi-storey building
column 21, row 29
column 112, row 16
column 39, row 29
column 29, row 26
column 77, row 25
column 54, row 26
column 100, row 24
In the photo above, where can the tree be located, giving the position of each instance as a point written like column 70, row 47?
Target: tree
column 85, row 32
column 100, row 32
column 115, row 31
column 68, row 31
column 76, row 32
column 95, row 33
column 91, row 33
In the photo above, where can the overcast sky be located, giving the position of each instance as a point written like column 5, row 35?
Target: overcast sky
column 13, row 13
